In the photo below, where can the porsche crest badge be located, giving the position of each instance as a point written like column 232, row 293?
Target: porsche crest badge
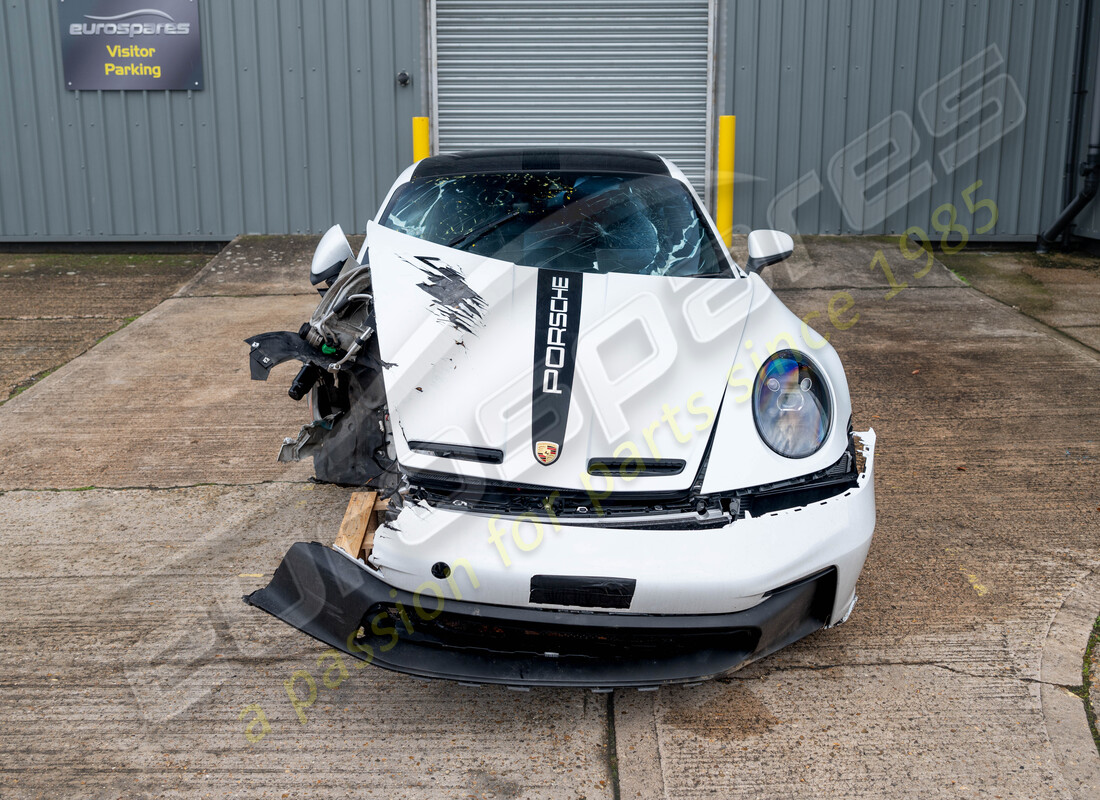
column 547, row 452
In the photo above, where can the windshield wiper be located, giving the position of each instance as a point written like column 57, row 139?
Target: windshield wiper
column 486, row 227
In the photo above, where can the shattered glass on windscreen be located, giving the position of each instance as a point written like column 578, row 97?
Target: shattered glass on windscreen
column 638, row 224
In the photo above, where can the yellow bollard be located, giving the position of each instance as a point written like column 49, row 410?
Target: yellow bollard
column 723, row 213
column 422, row 144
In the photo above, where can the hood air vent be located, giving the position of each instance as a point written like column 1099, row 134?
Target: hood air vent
column 642, row 466
column 464, row 452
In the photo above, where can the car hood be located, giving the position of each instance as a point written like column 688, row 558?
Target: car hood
column 546, row 372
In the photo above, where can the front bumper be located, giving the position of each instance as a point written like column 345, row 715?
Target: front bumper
column 330, row 597
column 706, row 602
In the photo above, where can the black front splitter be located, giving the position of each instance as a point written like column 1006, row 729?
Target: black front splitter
column 337, row 601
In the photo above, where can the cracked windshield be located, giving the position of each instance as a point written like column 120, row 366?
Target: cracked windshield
column 639, row 224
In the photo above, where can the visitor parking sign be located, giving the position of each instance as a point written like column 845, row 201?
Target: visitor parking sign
column 131, row 44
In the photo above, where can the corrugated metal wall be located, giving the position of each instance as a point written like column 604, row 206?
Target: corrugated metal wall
column 808, row 78
column 301, row 125
column 607, row 73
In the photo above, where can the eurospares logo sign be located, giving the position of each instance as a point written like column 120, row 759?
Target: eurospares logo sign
column 131, row 44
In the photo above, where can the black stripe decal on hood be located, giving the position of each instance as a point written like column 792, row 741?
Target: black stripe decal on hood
column 557, row 325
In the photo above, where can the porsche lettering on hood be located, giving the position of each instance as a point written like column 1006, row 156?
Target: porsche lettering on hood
column 555, row 360
column 608, row 350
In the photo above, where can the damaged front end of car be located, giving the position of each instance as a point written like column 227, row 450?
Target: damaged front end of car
column 571, row 475
column 575, row 629
column 341, row 375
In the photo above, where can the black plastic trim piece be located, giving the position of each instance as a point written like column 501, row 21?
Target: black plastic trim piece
column 561, row 159
column 582, row 591
column 758, row 264
column 642, row 466
column 464, row 452
column 328, row 275
column 800, row 582
column 493, row 496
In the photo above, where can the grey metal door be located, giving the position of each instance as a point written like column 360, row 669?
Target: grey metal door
column 614, row 73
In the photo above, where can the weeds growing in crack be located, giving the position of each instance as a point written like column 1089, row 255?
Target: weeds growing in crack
column 1092, row 654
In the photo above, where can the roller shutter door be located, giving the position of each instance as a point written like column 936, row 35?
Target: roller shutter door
column 607, row 73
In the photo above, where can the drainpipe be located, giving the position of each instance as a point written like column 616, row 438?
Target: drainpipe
column 1090, row 169
column 1077, row 109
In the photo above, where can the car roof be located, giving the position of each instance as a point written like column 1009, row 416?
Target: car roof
column 541, row 159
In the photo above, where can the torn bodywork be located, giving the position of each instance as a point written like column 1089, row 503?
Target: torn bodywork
column 341, row 373
column 593, row 451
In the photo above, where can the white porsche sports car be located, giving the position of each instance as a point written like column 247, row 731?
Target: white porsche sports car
column 612, row 457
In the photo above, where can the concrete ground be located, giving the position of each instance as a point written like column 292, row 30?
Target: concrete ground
column 130, row 668
column 1060, row 290
column 53, row 307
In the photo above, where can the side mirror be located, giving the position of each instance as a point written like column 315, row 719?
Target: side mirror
column 768, row 247
column 329, row 257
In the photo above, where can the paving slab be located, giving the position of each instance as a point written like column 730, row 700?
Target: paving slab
column 131, row 668
column 255, row 265
column 1066, row 661
column 1073, row 742
column 1059, row 289
column 54, row 306
column 846, row 262
column 81, row 285
column 167, row 401
column 1085, row 334
column 30, row 347
column 637, row 751
column 847, row 732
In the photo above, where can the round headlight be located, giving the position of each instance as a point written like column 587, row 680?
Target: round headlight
column 790, row 404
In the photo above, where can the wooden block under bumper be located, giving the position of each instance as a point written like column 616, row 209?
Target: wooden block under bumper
column 356, row 534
